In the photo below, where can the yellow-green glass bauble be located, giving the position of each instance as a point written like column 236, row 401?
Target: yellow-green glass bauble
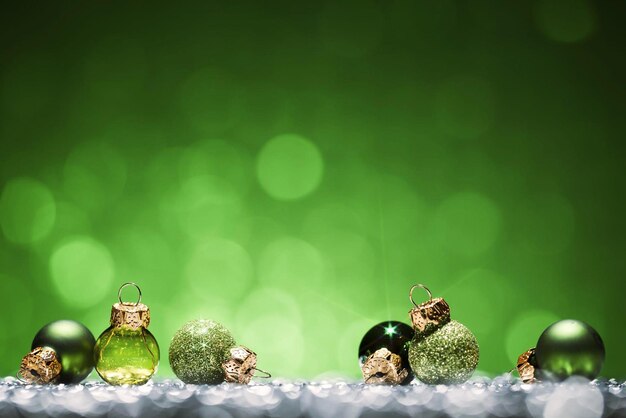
column 127, row 353
column 198, row 351
column 442, row 351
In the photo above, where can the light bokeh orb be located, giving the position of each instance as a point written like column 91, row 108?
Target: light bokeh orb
column 27, row 210
column 289, row 167
column 82, row 271
column 575, row 399
column 523, row 332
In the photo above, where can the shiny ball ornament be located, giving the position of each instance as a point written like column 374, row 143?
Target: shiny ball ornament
column 126, row 353
column 62, row 352
column 569, row 347
column 392, row 335
column 198, row 351
column 443, row 351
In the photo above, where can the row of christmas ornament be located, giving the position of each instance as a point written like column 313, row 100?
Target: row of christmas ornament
column 435, row 350
column 127, row 353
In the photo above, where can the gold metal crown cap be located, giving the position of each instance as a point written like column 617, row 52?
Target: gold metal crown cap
column 430, row 315
column 131, row 315
column 40, row 366
column 526, row 366
column 383, row 367
column 241, row 365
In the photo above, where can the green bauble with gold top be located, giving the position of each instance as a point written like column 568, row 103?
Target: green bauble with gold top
column 62, row 352
column 447, row 356
column 443, row 351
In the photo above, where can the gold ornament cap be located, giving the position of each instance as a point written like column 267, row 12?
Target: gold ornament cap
column 241, row 365
column 430, row 315
column 127, row 314
column 384, row 367
column 526, row 366
column 40, row 366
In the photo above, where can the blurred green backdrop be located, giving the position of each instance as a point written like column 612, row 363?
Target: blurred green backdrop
column 290, row 169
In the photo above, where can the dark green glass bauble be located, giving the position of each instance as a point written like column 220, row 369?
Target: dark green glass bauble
column 198, row 350
column 570, row 347
column 392, row 335
column 73, row 344
column 447, row 356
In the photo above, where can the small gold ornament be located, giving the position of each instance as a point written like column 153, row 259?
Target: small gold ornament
column 384, row 367
column 126, row 353
column 40, row 366
column 443, row 351
column 241, row 365
column 430, row 315
column 526, row 366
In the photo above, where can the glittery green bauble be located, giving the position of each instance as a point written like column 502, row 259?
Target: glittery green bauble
column 447, row 356
column 198, row 350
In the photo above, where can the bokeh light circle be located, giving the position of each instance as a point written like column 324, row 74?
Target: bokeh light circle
column 565, row 21
column 82, row 271
column 576, row 399
column 27, row 210
column 468, row 223
column 291, row 262
column 218, row 266
column 524, row 331
column 465, row 107
column 289, row 167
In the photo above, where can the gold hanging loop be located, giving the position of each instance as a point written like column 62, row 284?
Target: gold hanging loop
column 119, row 292
column 430, row 295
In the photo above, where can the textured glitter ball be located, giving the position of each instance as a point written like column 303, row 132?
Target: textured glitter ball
column 447, row 356
column 198, row 350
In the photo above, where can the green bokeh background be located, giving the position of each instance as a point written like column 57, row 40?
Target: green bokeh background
column 289, row 169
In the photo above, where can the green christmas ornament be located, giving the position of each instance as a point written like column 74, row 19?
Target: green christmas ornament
column 442, row 351
column 62, row 352
column 198, row 350
column 569, row 347
column 126, row 353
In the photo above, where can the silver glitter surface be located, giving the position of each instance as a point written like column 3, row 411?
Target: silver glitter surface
column 501, row 397
column 198, row 350
column 447, row 356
